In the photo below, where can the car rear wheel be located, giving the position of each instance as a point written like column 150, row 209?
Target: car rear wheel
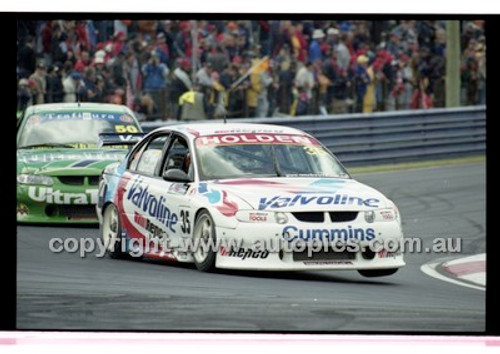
column 204, row 240
column 371, row 273
column 111, row 232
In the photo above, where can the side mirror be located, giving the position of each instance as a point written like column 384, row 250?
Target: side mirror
column 176, row 175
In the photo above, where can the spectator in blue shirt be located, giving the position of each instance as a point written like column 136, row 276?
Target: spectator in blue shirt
column 315, row 52
column 155, row 81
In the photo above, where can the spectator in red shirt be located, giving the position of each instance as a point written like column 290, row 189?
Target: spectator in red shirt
column 83, row 62
column 299, row 43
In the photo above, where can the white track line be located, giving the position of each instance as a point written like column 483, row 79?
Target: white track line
column 430, row 269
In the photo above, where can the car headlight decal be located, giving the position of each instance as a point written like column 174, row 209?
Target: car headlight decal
column 35, row 179
column 253, row 216
column 369, row 216
column 281, row 218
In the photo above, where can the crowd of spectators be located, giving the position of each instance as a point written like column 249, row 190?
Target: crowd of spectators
column 245, row 68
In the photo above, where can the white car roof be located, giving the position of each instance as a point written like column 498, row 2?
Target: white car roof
column 205, row 129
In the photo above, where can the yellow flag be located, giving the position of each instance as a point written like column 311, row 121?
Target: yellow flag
column 261, row 67
column 187, row 97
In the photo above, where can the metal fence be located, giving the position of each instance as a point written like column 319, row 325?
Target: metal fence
column 389, row 137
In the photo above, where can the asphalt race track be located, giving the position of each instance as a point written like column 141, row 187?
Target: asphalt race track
column 65, row 291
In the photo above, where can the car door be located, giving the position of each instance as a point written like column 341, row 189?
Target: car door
column 145, row 214
column 178, row 157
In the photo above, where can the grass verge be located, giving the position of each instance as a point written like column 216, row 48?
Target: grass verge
column 418, row 164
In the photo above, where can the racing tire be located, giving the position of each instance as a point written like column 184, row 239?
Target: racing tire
column 372, row 273
column 111, row 233
column 204, row 237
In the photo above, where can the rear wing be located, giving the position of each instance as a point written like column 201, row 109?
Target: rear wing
column 119, row 140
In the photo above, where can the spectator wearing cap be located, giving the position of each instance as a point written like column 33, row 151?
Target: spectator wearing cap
column 54, row 84
column 155, row 82
column 39, row 78
column 181, row 82
column 98, row 63
column 361, row 80
column 71, row 86
column 332, row 37
column 101, row 57
column 315, row 52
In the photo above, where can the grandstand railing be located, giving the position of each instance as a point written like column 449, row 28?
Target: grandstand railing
column 388, row 137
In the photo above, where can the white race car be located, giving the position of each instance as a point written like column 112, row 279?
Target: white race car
column 245, row 196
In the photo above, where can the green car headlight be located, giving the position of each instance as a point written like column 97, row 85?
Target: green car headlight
column 35, row 179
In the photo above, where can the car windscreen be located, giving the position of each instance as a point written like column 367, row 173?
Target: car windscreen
column 264, row 155
column 73, row 129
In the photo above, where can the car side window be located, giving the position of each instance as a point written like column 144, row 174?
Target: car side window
column 134, row 159
column 149, row 156
column 178, row 156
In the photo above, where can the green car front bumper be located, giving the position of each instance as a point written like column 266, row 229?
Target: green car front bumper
column 62, row 204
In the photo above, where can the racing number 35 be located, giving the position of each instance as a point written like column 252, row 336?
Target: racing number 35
column 186, row 225
column 120, row 128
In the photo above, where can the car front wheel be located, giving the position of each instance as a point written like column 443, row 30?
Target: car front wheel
column 204, row 240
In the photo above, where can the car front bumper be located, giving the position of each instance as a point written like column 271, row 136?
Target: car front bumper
column 373, row 254
column 54, row 209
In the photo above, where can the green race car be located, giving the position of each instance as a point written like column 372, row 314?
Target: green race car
column 62, row 149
